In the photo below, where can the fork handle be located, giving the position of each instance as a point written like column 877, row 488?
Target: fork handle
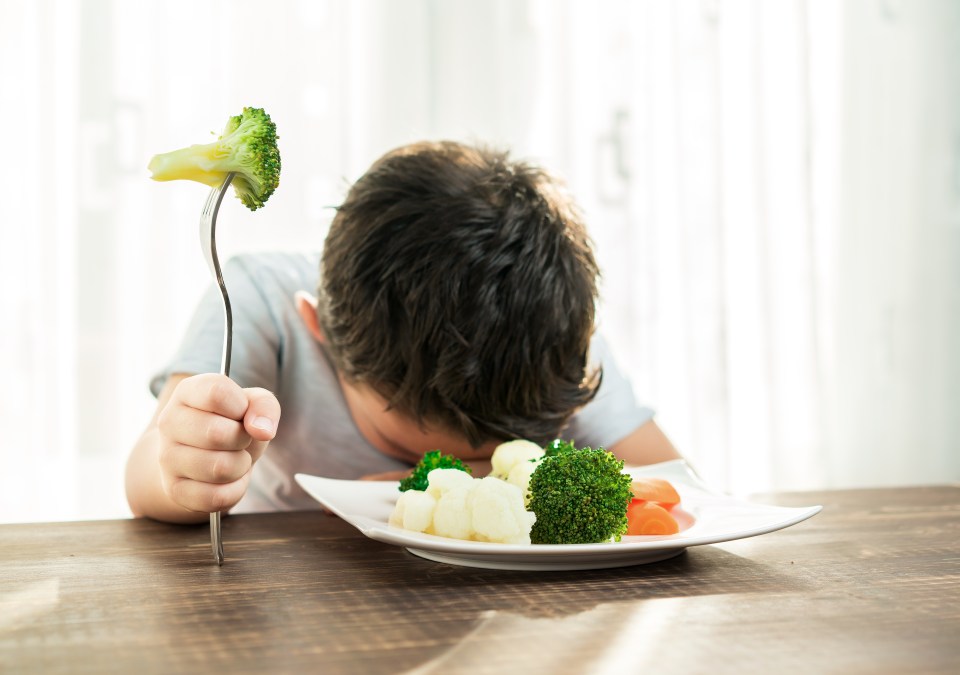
column 216, row 541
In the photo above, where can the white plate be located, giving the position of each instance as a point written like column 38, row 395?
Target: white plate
column 705, row 517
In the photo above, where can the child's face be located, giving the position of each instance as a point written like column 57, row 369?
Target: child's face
column 397, row 435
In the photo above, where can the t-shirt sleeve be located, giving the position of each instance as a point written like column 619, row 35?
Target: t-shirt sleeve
column 256, row 338
column 614, row 413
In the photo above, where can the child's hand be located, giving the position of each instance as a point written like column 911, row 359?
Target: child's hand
column 211, row 433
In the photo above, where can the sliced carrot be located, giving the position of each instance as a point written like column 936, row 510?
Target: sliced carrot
column 656, row 490
column 648, row 518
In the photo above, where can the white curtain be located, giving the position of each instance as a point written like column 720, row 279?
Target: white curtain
column 773, row 188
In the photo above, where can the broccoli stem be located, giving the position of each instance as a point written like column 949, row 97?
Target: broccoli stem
column 194, row 163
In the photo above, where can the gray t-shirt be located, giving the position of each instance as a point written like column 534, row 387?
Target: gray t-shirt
column 273, row 349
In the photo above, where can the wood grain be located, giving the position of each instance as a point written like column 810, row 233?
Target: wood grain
column 870, row 585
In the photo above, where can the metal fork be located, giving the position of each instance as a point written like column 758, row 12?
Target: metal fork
column 208, row 242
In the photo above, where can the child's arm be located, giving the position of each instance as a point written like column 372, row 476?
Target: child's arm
column 645, row 445
column 195, row 456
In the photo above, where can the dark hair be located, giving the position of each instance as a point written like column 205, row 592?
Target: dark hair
column 461, row 286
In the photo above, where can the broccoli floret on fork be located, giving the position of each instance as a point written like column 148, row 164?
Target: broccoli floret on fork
column 247, row 148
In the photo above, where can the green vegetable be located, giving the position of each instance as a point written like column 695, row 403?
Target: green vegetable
column 417, row 480
column 579, row 497
column 558, row 446
column 247, row 147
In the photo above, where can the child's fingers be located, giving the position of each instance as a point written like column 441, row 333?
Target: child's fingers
column 208, row 466
column 201, row 429
column 213, row 393
column 256, row 448
column 262, row 415
column 207, row 497
column 214, row 431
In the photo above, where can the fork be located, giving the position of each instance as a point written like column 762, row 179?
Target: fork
column 208, row 242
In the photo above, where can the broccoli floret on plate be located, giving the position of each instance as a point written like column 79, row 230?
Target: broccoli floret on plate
column 558, row 446
column 417, row 480
column 579, row 497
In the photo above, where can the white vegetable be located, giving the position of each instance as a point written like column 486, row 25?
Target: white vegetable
column 520, row 476
column 440, row 481
column 498, row 512
column 459, row 506
column 508, row 455
column 414, row 511
column 452, row 517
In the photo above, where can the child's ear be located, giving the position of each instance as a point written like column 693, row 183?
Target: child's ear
column 307, row 309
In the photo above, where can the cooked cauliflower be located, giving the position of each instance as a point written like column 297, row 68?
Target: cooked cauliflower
column 520, row 476
column 440, row 481
column 414, row 511
column 453, row 517
column 459, row 506
column 508, row 455
column 498, row 512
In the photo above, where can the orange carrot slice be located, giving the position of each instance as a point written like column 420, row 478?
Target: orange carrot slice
column 648, row 518
column 655, row 490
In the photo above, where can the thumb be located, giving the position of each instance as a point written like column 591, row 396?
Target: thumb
column 261, row 418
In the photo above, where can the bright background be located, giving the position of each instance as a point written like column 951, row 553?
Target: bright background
column 773, row 188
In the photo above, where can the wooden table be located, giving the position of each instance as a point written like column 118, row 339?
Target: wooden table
column 870, row 585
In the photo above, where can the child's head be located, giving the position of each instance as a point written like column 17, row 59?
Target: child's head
column 460, row 286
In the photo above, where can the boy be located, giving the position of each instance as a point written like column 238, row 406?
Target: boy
column 455, row 310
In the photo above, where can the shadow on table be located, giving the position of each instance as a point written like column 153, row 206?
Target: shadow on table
column 700, row 571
